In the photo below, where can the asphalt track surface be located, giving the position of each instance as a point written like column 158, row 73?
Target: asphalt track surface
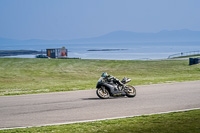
column 69, row 107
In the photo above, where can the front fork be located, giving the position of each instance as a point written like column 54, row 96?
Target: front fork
column 126, row 89
column 103, row 88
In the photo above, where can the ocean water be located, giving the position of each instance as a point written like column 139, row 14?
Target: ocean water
column 131, row 51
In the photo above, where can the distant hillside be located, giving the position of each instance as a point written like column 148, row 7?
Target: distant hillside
column 162, row 36
column 18, row 52
column 121, row 36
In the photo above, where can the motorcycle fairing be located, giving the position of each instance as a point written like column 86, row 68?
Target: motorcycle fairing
column 111, row 88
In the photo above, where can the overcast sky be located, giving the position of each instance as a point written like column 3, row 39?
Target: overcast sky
column 71, row 19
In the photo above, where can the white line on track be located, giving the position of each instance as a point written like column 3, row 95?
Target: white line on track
column 100, row 119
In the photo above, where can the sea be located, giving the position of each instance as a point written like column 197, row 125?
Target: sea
column 114, row 51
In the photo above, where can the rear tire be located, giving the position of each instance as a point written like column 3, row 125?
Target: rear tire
column 102, row 94
column 130, row 91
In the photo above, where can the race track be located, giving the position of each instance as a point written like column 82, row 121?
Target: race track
column 64, row 107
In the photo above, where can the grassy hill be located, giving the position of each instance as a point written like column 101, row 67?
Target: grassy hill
column 28, row 76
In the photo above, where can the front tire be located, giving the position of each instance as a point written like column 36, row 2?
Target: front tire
column 130, row 91
column 103, row 93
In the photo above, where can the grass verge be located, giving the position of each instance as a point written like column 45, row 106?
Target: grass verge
column 28, row 76
column 187, row 56
column 179, row 122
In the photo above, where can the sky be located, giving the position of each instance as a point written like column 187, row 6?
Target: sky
column 74, row 19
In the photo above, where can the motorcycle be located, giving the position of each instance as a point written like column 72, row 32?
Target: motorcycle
column 107, row 87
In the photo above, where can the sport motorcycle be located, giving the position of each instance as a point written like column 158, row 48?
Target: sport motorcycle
column 110, row 86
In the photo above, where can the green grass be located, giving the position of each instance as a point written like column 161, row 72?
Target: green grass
column 28, row 76
column 180, row 122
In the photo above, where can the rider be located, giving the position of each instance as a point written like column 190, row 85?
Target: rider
column 105, row 75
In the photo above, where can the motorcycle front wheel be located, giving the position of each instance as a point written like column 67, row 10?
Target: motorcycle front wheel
column 103, row 93
column 130, row 91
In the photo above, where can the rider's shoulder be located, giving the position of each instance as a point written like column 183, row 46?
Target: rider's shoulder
column 110, row 76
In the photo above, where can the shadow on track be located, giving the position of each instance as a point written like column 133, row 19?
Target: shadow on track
column 96, row 98
column 91, row 98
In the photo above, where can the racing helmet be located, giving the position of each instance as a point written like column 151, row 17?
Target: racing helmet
column 104, row 74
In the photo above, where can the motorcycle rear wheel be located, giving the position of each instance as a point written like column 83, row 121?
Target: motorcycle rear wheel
column 102, row 93
column 130, row 91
